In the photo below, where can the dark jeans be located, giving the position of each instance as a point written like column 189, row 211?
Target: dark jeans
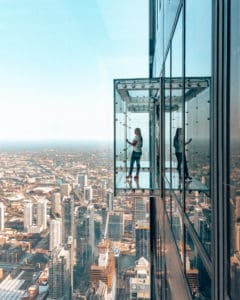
column 136, row 156
column 179, row 157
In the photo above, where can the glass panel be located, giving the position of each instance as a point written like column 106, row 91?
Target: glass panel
column 167, row 94
column 198, row 63
column 197, row 117
column 197, row 276
column 170, row 11
column 198, row 209
column 176, row 107
column 158, row 57
column 234, row 203
column 168, row 203
column 198, row 37
column 177, row 227
column 135, row 101
column 198, row 129
column 176, row 122
column 128, row 231
column 120, row 130
column 160, row 250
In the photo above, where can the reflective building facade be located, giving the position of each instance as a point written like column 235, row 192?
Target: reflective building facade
column 194, row 192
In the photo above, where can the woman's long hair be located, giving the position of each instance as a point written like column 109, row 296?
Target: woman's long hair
column 138, row 132
column 177, row 133
column 176, row 137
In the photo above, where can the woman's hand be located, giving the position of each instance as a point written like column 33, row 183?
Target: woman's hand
column 189, row 141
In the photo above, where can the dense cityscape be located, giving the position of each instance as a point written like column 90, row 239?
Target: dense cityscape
column 63, row 233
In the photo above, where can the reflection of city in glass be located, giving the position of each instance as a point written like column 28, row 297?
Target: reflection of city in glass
column 234, row 199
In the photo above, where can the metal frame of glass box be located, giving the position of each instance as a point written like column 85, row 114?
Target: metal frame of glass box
column 138, row 103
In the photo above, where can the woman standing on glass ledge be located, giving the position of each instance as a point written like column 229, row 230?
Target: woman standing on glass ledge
column 137, row 144
column 179, row 150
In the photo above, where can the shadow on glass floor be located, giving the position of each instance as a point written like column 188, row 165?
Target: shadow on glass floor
column 177, row 184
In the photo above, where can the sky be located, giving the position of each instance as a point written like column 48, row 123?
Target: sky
column 58, row 60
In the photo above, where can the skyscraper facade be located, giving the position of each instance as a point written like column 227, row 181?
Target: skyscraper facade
column 67, row 215
column 55, row 234
column 59, row 275
column 82, row 180
column 42, row 213
column 65, row 189
column 91, row 228
column 56, row 204
column 142, row 241
column 115, row 226
column 87, row 193
column 189, row 105
column 109, row 199
column 28, row 215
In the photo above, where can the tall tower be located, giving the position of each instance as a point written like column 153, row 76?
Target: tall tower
column 91, row 229
column 28, row 215
column 2, row 209
column 87, row 193
column 59, row 274
column 138, row 212
column 143, row 241
column 55, row 234
column 109, row 200
column 105, row 270
column 56, row 204
column 65, row 189
column 67, row 217
column 115, row 226
column 82, row 180
column 42, row 213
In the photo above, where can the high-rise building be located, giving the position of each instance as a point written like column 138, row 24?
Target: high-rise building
column 105, row 269
column 28, row 215
column 84, row 253
column 59, row 275
column 65, row 189
column 140, row 282
column 82, row 180
column 87, row 193
column 109, row 200
column 138, row 212
column 91, row 229
column 2, row 211
column 188, row 113
column 143, row 240
column 56, row 204
column 67, row 215
column 55, row 240
column 42, row 213
column 115, row 226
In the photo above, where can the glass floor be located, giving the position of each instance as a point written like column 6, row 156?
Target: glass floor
column 190, row 186
column 123, row 183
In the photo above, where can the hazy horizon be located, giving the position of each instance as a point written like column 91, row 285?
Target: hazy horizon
column 68, row 145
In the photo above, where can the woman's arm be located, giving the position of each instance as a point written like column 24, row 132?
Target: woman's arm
column 188, row 142
column 133, row 143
